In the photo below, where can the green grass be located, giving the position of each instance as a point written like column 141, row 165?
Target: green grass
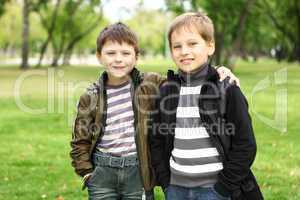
column 34, row 148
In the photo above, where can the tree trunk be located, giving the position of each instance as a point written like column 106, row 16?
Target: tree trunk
column 232, row 53
column 49, row 32
column 55, row 60
column 56, row 57
column 297, row 44
column 219, row 48
column 67, row 57
column 57, row 52
column 68, row 51
column 237, row 44
column 25, row 35
column 295, row 54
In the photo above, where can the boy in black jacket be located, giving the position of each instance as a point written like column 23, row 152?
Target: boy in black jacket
column 203, row 145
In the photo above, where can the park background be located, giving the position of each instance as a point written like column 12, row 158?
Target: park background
column 47, row 59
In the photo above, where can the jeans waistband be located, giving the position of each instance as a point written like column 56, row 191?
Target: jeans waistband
column 104, row 159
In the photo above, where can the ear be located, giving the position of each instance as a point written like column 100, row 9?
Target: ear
column 211, row 47
column 98, row 55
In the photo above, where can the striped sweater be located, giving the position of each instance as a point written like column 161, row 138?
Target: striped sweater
column 195, row 161
column 118, row 138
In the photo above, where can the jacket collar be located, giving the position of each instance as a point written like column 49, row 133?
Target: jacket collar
column 194, row 77
column 134, row 76
column 211, row 75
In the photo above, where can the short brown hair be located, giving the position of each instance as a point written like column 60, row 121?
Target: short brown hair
column 118, row 32
column 199, row 20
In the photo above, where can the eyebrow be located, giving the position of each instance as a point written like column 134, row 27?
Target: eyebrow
column 192, row 40
column 175, row 43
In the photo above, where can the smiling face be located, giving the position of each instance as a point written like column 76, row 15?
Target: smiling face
column 189, row 50
column 118, row 60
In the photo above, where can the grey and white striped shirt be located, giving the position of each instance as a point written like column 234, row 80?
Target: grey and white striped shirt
column 195, row 161
column 118, row 138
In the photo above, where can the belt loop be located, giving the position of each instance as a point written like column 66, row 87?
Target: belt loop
column 109, row 161
column 122, row 162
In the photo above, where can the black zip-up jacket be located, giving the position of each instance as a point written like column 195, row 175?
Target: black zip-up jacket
column 224, row 113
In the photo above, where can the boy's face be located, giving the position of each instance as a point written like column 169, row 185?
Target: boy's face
column 118, row 59
column 189, row 50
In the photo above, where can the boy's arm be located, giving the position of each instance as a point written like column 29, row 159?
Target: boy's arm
column 81, row 138
column 154, row 78
column 223, row 72
column 157, row 148
column 243, row 145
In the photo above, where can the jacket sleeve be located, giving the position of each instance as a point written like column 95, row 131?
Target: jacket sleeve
column 242, row 152
column 81, row 136
column 157, row 148
column 154, row 78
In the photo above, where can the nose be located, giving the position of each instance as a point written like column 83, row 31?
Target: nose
column 185, row 50
column 118, row 57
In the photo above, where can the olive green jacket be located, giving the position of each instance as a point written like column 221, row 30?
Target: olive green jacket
column 90, row 122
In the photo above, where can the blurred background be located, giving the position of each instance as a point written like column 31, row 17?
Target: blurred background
column 47, row 59
column 63, row 32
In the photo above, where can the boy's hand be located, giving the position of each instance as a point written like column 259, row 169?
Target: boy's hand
column 225, row 72
column 85, row 179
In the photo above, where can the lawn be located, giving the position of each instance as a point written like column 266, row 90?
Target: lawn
column 37, row 110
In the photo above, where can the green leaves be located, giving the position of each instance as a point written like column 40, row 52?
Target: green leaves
column 250, row 27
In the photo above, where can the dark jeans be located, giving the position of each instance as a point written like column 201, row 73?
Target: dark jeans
column 198, row 193
column 113, row 180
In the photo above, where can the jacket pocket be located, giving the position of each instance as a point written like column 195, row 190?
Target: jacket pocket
column 248, row 191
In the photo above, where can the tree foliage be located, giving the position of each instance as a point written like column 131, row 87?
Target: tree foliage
column 246, row 28
column 74, row 21
column 150, row 26
column 2, row 6
column 284, row 16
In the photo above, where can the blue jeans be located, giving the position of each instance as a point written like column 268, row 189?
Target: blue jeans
column 114, row 180
column 198, row 193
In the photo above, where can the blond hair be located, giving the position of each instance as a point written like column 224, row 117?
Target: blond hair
column 198, row 20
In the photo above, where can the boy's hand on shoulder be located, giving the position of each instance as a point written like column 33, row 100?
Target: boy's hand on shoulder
column 225, row 72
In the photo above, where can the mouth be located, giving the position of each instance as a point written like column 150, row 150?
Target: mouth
column 119, row 67
column 186, row 61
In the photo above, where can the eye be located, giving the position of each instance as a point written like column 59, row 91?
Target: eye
column 176, row 46
column 126, row 53
column 110, row 53
column 193, row 43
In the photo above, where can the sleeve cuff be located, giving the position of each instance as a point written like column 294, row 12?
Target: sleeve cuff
column 85, row 172
column 219, row 188
column 86, row 176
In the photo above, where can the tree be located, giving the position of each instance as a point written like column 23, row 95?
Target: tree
column 249, row 27
column 286, row 21
column 237, row 38
column 10, row 39
column 28, row 6
column 2, row 6
column 49, row 27
column 230, row 19
column 25, row 35
column 70, row 30
column 152, row 32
